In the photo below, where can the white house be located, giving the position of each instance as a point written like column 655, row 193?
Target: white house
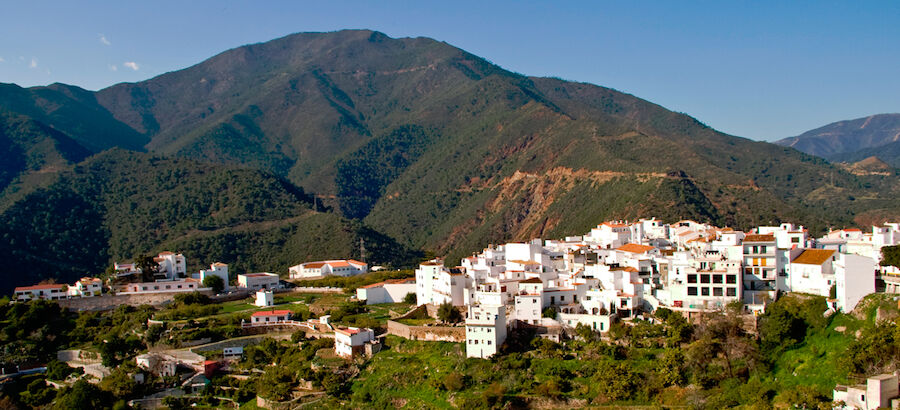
column 173, row 286
column 854, row 277
column 50, row 292
column 256, row 281
column 216, row 269
column 389, row 291
column 264, row 298
column 270, row 317
column 342, row 267
column 812, row 271
column 171, row 265
column 485, row 330
column 86, row 287
column 877, row 393
column 351, row 341
column 156, row 364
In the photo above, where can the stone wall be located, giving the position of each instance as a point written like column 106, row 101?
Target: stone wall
column 108, row 302
column 427, row 333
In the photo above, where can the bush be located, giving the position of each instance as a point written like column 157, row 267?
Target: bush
column 448, row 313
column 454, row 382
column 410, row 298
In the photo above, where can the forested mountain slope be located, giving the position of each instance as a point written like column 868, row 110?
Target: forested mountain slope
column 443, row 150
column 119, row 204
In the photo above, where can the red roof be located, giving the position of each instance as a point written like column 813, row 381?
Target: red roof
column 760, row 238
column 272, row 313
column 348, row 330
column 635, row 248
column 257, row 275
column 39, row 287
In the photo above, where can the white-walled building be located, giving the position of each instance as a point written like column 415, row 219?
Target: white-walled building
column 389, row 291
column 264, row 298
column 256, row 281
column 216, row 269
column 351, row 341
column 86, row 287
column 171, row 265
column 50, row 292
column 485, row 330
column 877, row 393
column 854, row 277
column 342, row 267
column 173, row 286
column 270, row 317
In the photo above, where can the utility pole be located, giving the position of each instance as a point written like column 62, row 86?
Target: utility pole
column 362, row 250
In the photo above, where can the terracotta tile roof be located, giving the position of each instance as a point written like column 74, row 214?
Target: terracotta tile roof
column 40, row 287
column 813, row 256
column 313, row 265
column 272, row 313
column 347, row 330
column 355, row 262
column 258, row 275
column 615, row 225
column 630, row 269
column 760, row 238
column 430, row 263
column 852, row 230
column 532, row 280
column 219, row 264
column 337, row 264
column 521, row 262
column 634, row 248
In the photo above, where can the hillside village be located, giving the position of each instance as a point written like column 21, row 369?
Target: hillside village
column 621, row 269
column 619, row 273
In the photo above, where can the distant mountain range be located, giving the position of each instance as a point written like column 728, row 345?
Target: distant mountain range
column 418, row 142
column 853, row 140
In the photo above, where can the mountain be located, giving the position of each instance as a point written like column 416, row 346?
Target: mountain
column 442, row 150
column 843, row 139
column 72, row 111
column 119, row 204
column 888, row 153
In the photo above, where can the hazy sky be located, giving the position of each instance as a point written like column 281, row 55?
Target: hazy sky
column 762, row 70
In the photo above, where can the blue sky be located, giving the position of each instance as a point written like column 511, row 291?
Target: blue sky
column 762, row 70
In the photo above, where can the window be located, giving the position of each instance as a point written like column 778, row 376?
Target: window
column 489, row 330
column 731, row 292
column 704, row 291
column 562, row 298
column 489, row 342
column 692, row 291
column 717, row 292
column 731, row 279
column 704, row 278
column 692, row 278
column 717, row 278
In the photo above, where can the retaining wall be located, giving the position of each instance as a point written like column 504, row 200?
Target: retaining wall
column 427, row 333
column 108, row 302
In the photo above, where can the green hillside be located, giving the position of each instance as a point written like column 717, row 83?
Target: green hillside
column 119, row 204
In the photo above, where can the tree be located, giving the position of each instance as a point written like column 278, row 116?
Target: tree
column 549, row 312
column 148, row 267
column 57, row 370
column 890, row 256
column 447, row 313
column 82, row 395
column 410, row 298
column 119, row 383
column 215, row 282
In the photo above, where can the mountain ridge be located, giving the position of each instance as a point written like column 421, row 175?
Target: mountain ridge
column 463, row 152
